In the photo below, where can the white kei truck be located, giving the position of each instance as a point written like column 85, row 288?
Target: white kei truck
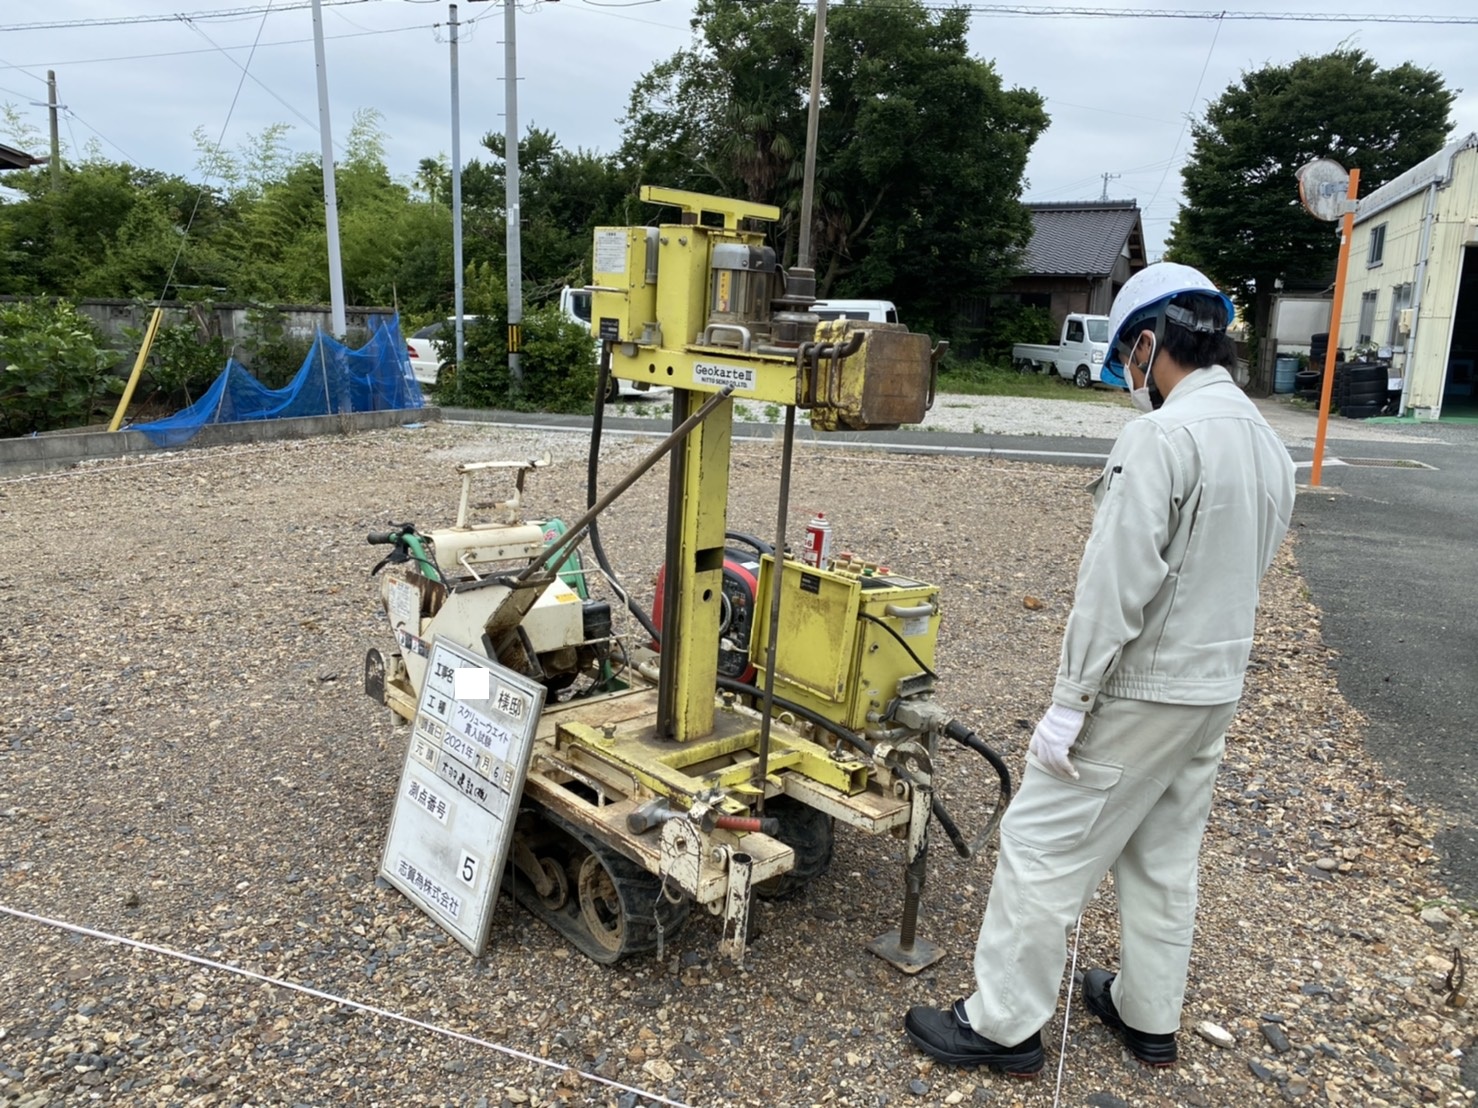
column 1077, row 356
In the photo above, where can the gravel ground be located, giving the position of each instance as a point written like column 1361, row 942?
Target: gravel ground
column 189, row 762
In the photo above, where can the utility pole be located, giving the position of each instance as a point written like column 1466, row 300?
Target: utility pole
column 456, row 196
column 330, row 194
column 510, row 198
column 1107, row 177
column 56, row 141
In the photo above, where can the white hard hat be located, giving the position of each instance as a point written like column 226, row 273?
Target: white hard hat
column 1152, row 287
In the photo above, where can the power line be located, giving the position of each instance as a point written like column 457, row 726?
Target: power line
column 73, row 115
column 173, row 17
column 1186, row 120
column 205, row 177
column 261, row 45
column 1175, row 13
column 312, row 126
column 8, row 65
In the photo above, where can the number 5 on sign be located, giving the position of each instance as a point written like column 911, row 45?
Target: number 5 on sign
column 467, row 871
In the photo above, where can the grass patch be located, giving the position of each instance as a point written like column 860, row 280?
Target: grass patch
column 985, row 379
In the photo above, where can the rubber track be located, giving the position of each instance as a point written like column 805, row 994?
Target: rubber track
column 636, row 889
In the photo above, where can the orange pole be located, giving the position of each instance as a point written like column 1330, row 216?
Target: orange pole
column 1347, row 232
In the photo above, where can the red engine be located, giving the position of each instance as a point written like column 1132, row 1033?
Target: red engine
column 736, row 616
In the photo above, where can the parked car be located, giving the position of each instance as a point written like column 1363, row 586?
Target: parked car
column 575, row 303
column 878, row 311
column 1077, row 356
column 426, row 362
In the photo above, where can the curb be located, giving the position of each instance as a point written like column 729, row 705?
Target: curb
column 41, row 453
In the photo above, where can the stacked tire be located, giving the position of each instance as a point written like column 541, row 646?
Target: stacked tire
column 1360, row 388
column 1308, row 384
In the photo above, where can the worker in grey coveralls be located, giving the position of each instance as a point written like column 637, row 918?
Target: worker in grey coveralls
column 1189, row 511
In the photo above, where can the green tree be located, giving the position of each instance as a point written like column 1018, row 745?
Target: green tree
column 564, row 195
column 1242, row 221
column 108, row 229
column 921, row 148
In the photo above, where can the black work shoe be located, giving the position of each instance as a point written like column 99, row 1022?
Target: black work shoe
column 1152, row 1050
column 946, row 1034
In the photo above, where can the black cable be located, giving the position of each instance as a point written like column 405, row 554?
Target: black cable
column 901, row 642
column 851, row 738
column 754, row 542
column 965, row 737
column 592, row 474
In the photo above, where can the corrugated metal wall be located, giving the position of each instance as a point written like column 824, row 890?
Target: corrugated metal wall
column 1423, row 355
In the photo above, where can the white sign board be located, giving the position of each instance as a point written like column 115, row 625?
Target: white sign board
column 610, row 251
column 452, row 826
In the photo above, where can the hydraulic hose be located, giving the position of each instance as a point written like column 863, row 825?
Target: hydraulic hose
column 592, row 473
column 965, row 737
column 955, row 730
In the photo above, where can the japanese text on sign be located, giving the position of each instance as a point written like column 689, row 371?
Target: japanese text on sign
column 423, row 797
column 481, row 730
column 444, row 900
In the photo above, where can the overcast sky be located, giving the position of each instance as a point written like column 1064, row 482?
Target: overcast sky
column 1118, row 89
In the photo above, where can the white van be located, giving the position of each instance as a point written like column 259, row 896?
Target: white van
column 575, row 303
column 878, row 311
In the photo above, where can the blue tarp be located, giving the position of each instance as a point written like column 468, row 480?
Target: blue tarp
column 334, row 379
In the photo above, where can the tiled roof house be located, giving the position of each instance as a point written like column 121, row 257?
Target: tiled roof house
column 1080, row 255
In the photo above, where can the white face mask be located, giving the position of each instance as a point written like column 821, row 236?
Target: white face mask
column 1140, row 397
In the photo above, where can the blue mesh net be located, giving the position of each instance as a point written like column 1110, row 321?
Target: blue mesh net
column 333, row 379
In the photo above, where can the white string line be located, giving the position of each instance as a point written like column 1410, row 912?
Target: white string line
column 1067, row 1014
column 319, row 994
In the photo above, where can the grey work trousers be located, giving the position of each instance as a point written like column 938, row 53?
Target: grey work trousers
column 1146, row 773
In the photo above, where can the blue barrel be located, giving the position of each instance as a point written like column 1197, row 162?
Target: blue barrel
column 1285, row 374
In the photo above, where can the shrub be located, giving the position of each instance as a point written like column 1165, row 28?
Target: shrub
column 55, row 367
column 559, row 365
column 183, row 362
column 272, row 353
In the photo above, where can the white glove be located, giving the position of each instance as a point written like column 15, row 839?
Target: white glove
column 1054, row 737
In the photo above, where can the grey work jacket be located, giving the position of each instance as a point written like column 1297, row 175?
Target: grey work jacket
column 1188, row 514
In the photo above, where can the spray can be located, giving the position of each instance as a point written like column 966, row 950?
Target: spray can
column 817, row 547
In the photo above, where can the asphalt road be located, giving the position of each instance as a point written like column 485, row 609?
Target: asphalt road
column 1390, row 553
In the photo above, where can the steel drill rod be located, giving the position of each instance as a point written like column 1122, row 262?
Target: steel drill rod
column 778, row 566
column 577, row 529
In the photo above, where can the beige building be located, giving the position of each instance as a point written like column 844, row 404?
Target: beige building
column 1412, row 287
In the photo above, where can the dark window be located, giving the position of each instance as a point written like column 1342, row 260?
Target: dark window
column 1075, row 330
column 1377, row 245
column 1367, row 316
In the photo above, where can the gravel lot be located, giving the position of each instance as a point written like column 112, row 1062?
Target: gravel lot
column 189, row 762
